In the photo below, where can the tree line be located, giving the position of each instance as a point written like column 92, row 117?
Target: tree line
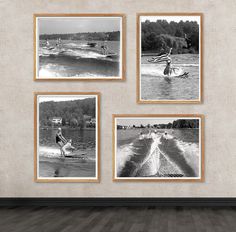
column 177, row 124
column 109, row 36
column 181, row 124
column 71, row 112
column 162, row 35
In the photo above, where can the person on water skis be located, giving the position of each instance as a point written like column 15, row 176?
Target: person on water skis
column 168, row 69
column 47, row 43
column 68, row 147
column 60, row 140
column 104, row 48
column 58, row 44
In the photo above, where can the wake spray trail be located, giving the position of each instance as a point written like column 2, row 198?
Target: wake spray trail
column 170, row 149
column 140, row 149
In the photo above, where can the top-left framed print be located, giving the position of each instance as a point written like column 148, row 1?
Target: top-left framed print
column 79, row 46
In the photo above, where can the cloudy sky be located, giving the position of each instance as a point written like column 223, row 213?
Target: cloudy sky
column 63, row 25
column 171, row 18
column 59, row 98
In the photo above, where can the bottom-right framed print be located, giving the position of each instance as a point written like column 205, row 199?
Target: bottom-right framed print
column 158, row 147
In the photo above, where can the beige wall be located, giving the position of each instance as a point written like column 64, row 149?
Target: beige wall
column 17, row 87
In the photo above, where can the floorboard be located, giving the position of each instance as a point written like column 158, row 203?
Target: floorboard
column 116, row 219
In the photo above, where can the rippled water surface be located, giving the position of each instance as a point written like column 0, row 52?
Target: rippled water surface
column 155, row 86
column 52, row 164
column 77, row 59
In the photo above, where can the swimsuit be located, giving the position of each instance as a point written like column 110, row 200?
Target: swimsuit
column 58, row 139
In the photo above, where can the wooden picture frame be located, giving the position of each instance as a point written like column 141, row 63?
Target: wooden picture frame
column 88, row 158
column 110, row 56
column 162, row 100
column 129, row 156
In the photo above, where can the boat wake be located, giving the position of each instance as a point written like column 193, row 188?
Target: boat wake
column 161, row 156
column 53, row 153
column 152, row 70
column 74, row 45
column 157, row 70
column 76, row 52
column 57, row 71
column 49, row 152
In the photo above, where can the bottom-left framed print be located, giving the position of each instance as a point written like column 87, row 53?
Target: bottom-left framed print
column 66, row 129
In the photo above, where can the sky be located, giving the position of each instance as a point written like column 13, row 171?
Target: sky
column 144, row 121
column 59, row 98
column 64, row 25
column 171, row 18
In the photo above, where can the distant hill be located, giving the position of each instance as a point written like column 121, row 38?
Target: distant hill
column 109, row 36
column 69, row 111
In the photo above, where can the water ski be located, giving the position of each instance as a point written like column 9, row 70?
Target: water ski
column 111, row 55
column 77, row 154
column 183, row 76
column 48, row 48
column 92, row 45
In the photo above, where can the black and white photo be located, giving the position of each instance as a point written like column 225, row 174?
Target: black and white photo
column 158, row 147
column 66, row 137
column 169, row 58
column 81, row 47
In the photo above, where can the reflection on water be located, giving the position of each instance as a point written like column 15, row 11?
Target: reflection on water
column 47, row 136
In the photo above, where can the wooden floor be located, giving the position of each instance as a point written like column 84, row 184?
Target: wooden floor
column 124, row 219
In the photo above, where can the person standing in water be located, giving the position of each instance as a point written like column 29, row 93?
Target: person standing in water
column 60, row 140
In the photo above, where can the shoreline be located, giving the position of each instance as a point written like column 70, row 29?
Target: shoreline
column 65, row 127
column 152, row 53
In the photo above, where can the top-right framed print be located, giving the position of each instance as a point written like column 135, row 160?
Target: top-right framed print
column 169, row 58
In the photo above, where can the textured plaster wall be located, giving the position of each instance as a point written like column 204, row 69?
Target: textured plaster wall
column 17, row 87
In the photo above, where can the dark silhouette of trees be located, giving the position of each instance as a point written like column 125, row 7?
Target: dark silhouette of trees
column 161, row 35
column 177, row 124
column 186, row 123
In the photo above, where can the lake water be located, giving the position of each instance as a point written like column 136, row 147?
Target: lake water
column 74, row 58
column 154, row 86
column 52, row 164
column 179, row 156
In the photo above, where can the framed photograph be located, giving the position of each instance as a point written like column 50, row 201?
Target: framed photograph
column 158, row 148
column 169, row 58
column 79, row 47
column 66, row 137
